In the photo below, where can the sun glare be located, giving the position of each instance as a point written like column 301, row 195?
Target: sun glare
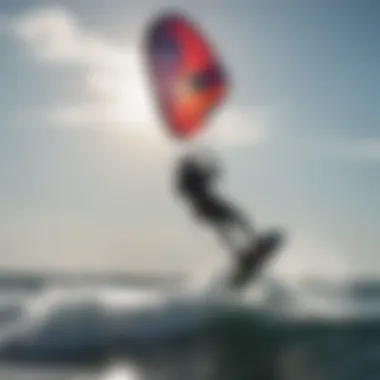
column 123, row 97
column 121, row 372
column 134, row 102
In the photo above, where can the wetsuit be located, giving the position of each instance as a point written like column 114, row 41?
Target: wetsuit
column 194, row 181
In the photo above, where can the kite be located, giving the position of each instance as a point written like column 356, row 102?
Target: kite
column 188, row 79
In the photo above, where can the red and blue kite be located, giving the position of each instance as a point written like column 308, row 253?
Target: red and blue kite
column 188, row 79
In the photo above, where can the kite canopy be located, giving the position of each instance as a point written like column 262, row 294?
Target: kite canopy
column 188, row 79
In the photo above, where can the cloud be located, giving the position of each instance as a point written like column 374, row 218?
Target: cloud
column 55, row 35
column 239, row 127
column 114, row 77
column 112, row 74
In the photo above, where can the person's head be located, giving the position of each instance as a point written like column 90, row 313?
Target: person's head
column 203, row 159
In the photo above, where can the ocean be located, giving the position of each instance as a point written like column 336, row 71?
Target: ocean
column 256, row 341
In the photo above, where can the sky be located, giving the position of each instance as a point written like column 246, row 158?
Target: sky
column 86, row 166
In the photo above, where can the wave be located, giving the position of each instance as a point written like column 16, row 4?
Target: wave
column 267, row 338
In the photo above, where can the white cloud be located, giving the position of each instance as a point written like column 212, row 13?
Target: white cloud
column 115, row 78
column 238, row 127
column 55, row 35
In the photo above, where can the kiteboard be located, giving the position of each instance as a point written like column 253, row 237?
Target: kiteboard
column 250, row 264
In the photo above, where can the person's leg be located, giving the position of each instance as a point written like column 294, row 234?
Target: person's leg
column 243, row 223
column 236, row 232
column 232, row 226
column 225, row 234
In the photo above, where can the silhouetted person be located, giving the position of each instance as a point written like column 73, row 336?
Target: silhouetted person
column 195, row 180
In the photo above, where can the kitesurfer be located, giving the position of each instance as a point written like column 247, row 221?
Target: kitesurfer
column 195, row 181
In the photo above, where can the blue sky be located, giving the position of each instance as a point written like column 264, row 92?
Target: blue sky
column 85, row 165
